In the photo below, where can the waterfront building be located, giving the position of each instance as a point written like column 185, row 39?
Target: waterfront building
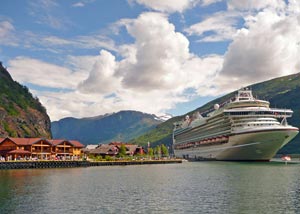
column 104, row 150
column 38, row 148
column 112, row 149
column 131, row 149
column 66, row 148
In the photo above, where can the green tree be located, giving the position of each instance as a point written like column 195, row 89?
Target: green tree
column 108, row 158
column 98, row 158
column 122, row 151
column 164, row 150
column 157, row 151
column 150, row 152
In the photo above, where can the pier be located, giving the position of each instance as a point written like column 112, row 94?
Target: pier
column 72, row 164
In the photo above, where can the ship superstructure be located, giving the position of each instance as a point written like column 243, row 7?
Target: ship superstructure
column 245, row 128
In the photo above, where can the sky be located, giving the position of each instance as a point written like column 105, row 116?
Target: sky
column 84, row 58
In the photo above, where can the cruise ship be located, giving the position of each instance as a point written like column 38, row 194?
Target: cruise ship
column 243, row 129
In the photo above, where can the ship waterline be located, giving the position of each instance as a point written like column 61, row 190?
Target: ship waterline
column 245, row 129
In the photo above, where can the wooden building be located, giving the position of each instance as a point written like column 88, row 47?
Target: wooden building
column 113, row 148
column 131, row 149
column 104, row 149
column 66, row 148
column 38, row 148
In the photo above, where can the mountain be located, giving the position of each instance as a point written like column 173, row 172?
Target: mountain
column 164, row 117
column 121, row 126
column 283, row 92
column 21, row 115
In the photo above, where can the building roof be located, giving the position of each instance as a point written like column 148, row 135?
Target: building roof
column 26, row 141
column 105, row 149
column 76, row 143
column 119, row 143
column 130, row 149
column 91, row 146
column 19, row 151
column 56, row 141
column 30, row 141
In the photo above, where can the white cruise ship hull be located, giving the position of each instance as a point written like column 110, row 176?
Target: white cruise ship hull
column 255, row 145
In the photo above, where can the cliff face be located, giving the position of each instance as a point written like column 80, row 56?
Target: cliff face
column 21, row 115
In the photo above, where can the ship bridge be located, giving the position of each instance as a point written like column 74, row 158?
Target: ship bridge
column 244, row 95
column 245, row 99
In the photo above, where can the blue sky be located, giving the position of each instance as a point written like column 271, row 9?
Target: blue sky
column 85, row 58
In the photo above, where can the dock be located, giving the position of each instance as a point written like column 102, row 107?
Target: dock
column 71, row 164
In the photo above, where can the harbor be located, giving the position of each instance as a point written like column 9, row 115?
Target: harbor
column 71, row 164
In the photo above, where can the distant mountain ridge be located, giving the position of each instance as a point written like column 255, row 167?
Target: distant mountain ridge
column 282, row 92
column 120, row 126
column 21, row 115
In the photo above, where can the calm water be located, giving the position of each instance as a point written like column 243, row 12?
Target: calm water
column 201, row 187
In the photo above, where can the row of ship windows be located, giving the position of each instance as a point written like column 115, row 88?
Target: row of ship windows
column 255, row 113
column 265, row 124
column 254, row 121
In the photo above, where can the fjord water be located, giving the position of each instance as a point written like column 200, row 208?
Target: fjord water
column 197, row 187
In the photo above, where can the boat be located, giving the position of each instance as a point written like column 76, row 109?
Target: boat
column 242, row 129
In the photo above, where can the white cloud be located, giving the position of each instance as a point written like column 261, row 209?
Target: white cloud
column 267, row 48
column 294, row 6
column 28, row 70
column 78, row 4
column 5, row 29
column 81, row 64
column 77, row 104
column 168, row 6
column 95, row 41
column 161, row 64
column 7, row 36
column 209, row 2
column 157, row 62
column 157, row 70
column 220, row 26
column 53, row 40
column 102, row 77
column 82, row 3
column 151, row 74
column 54, row 44
column 171, row 6
column 255, row 4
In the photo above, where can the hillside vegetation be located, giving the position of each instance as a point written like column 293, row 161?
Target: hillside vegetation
column 21, row 115
column 283, row 92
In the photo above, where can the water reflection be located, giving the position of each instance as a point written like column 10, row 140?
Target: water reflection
column 203, row 187
column 263, row 187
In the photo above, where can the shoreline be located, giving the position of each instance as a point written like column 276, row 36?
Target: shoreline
column 72, row 164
